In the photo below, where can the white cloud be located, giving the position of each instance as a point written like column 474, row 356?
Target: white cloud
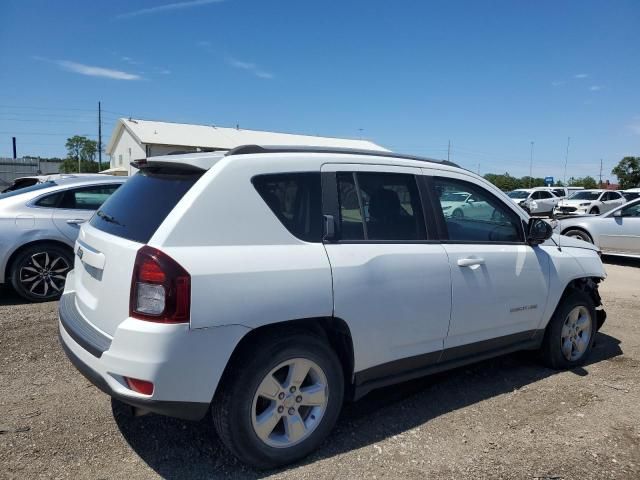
column 634, row 127
column 240, row 64
column 581, row 75
column 557, row 83
column 595, row 88
column 93, row 71
column 129, row 60
column 167, row 8
column 250, row 67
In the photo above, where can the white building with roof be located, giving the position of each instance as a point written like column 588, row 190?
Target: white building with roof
column 134, row 139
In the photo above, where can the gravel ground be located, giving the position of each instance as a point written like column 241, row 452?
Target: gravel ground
column 504, row 418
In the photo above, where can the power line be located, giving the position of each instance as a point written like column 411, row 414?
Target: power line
column 48, row 133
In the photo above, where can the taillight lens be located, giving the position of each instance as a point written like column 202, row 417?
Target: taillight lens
column 140, row 386
column 160, row 288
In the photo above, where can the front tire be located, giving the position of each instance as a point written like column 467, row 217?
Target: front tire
column 569, row 337
column 594, row 211
column 280, row 400
column 579, row 234
column 39, row 272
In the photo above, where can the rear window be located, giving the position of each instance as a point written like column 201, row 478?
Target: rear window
column 296, row 200
column 32, row 188
column 140, row 205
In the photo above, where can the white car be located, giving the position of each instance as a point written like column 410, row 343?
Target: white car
column 593, row 202
column 614, row 233
column 267, row 285
column 535, row 200
column 463, row 204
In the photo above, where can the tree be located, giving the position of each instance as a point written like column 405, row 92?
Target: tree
column 80, row 150
column 586, row 182
column 504, row 181
column 628, row 172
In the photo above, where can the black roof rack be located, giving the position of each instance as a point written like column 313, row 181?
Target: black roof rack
column 249, row 149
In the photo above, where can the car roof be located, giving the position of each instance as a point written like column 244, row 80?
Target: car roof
column 204, row 161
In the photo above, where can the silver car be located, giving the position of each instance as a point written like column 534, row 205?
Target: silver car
column 38, row 228
column 616, row 232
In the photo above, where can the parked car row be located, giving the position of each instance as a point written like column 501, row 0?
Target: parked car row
column 563, row 201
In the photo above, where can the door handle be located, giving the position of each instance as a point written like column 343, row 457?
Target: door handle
column 75, row 221
column 470, row 262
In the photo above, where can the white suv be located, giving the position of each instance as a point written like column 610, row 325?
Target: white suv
column 592, row 202
column 272, row 284
column 535, row 200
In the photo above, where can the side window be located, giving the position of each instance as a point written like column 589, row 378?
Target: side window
column 537, row 195
column 631, row 210
column 544, row 194
column 50, row 201
column 559, row 192
column 487, row 220
column 87, row 198
column 380, row 206
column 295, row 199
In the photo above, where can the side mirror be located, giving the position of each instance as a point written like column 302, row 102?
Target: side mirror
column 329, row 228
column 538, row 231
column 618, row 213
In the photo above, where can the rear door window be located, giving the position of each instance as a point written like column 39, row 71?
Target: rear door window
column 295, row 199
column 380, row 206
column 140, row 205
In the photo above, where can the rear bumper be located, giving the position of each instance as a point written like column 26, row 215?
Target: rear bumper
column 185, row 410
column 185, row 365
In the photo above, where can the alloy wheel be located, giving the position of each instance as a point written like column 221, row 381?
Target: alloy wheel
column 289, row 403
column 43, row 274
column 576, row 333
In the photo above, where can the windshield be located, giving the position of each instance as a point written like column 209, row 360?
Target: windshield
column 585, row 196
column 32, row 188
column 518, row 194
column 454, row 197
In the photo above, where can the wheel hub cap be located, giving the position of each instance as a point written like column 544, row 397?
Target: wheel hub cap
column 289, row 403
column 43, row 275
column 576, row 333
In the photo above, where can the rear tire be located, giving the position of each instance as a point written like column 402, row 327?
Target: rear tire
column 38, row 273
column 580, row 234
column 268, row 424
column 569, row 336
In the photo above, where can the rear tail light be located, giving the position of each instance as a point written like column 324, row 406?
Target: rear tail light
column 160, row 288
column 140, row 386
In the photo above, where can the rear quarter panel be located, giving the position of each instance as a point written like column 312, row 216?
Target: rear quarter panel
column 245, row 267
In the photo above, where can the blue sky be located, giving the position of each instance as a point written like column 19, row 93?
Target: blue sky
column 491, row 76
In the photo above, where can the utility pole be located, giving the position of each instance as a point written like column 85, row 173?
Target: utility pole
column 99, row 137
column 600, row 184
column 566, row 160
column 531, row 166
column 449, row 152
column 13, row 139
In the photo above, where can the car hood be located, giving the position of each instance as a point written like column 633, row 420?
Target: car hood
column 574, row 203
column 563, row 241
column 450, row 204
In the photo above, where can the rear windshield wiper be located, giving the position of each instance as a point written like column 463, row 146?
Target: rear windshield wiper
column 108, row 218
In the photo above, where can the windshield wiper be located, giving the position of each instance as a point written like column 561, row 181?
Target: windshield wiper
column 108, row 218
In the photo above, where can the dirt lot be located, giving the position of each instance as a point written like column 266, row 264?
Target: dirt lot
column 505, row 418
